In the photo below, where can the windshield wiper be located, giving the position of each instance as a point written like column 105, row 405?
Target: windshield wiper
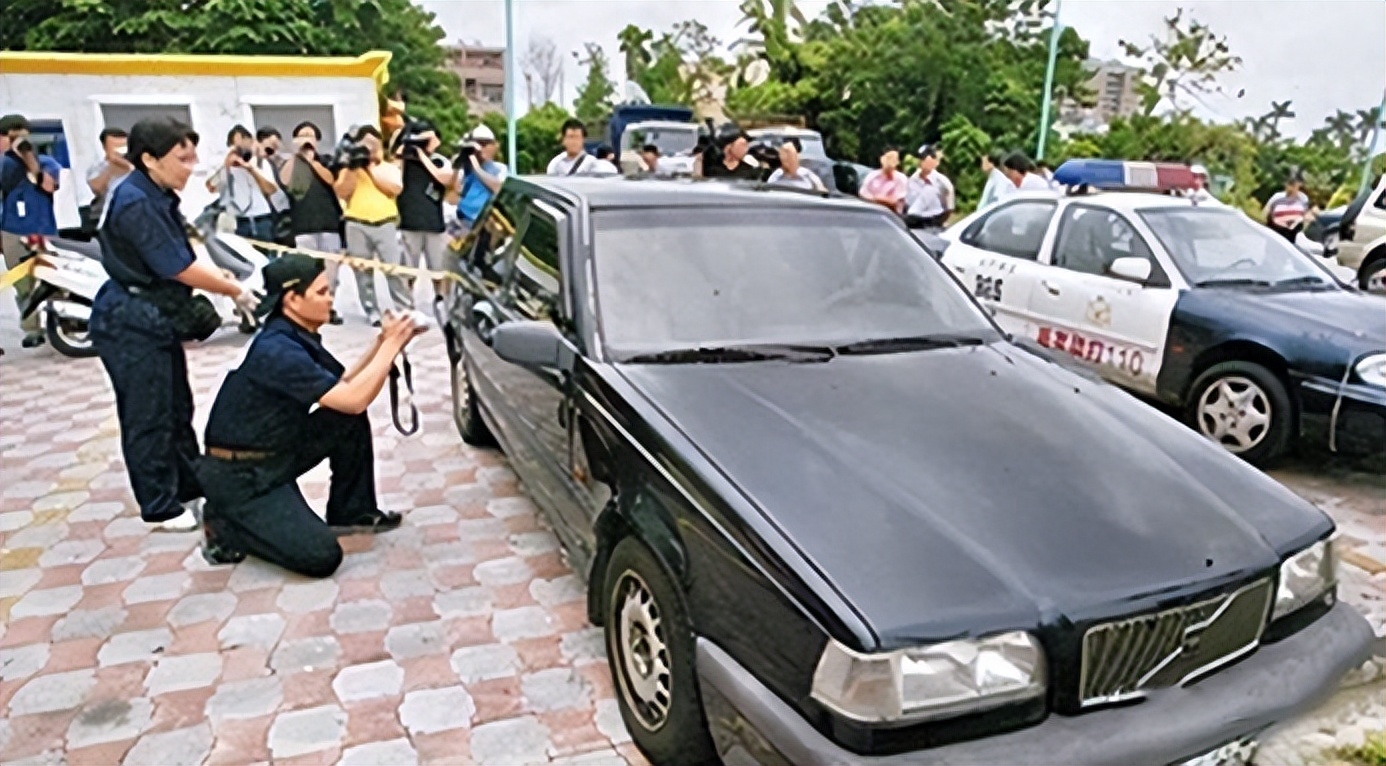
column 1310, row 280
column 910, row 343
column 1243, row 282
column 758, row 352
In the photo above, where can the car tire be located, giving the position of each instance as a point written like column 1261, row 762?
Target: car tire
column 1372, row 271
column 650, row 648
column 466, row 412
column 1244, row 407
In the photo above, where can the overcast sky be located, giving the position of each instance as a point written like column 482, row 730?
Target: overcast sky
column 1322, row 54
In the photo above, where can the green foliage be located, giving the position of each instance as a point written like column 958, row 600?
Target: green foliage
column 1183, row 64
column 536, row 136
column 965, row 144
column 251, row 27
column 594, row 98
column 1370, row 753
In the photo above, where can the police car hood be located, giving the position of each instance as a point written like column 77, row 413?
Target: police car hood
column 956, row 491
column 1337, row 324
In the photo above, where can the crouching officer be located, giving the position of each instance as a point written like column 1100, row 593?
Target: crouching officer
column 263, row 433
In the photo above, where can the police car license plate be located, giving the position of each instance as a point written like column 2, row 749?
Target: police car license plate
column 1238, row 752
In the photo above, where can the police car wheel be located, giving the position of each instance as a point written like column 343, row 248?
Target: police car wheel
column 1245, row 408
column 465, row 411
column 1372, row 278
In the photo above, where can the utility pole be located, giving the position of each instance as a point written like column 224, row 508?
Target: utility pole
column 1049, row 81
column 510, row 79
column 1375, row 139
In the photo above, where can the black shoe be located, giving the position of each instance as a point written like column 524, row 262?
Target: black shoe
column 32, row 340
column 368, row 523
column 215, row 552
column 334, row 318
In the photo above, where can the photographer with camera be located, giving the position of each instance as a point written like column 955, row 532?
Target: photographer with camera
column 427, row 178
column 146, row 311
column 370, row 187
column 28, row 181
column 110, row 170
column 315, row 214
column 244, row 187
column 481, row 176
column 289, row 406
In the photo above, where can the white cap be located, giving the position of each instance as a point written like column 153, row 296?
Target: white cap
column 1199, row 170
column 481, row 133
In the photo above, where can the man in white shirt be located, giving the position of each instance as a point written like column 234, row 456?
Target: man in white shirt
column 607, row 162
column 996, row 180
column 929, row 194
column 574, row 159
column 790, row 172
column 1019, row 171
column 1199, row 193
column 244, row 189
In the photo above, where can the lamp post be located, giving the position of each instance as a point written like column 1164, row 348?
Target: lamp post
column 510, row 85
column 1049, row 81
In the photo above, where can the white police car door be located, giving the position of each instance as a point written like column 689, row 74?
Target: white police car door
column 995, row 258
column 1115, row 325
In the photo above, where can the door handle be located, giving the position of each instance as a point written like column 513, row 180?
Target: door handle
column 1050, row 286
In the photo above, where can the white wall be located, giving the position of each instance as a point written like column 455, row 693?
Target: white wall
column 215, row 103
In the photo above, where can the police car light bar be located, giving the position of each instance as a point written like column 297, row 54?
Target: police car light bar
column 1119, row 175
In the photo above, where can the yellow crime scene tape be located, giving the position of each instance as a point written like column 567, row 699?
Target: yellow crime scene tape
column 17, row 273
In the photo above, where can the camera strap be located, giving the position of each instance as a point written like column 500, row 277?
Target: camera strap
column 402, row 369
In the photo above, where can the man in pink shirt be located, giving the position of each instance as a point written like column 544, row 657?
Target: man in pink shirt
column 886, row 186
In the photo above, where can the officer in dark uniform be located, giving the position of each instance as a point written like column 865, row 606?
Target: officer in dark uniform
column 263, row 432
column 137, row 320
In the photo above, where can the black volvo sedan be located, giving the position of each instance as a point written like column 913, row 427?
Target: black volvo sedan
column 828, row 513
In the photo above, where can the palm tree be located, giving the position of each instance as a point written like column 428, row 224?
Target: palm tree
column 1367, row 120
column 1280, row 110
column 635, row 47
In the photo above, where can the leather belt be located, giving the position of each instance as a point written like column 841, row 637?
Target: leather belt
column 237, row 455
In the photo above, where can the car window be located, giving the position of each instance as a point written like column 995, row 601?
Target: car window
column 1221, row 246
column 1090, row 239
column 1380, row 203
column 538, row 276
column 1016, row 229
column 716, row 276
column 495, row 237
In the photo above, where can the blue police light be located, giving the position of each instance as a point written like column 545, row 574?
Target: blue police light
column 1120, row 175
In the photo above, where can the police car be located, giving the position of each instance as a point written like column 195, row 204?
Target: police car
column 1191, row 304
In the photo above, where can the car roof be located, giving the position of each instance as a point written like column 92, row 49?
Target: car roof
column 1132, row 201
column 783, row 130
column 662, row 124
column 607, row 192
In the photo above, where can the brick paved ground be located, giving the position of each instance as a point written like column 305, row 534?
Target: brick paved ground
column 458, row 638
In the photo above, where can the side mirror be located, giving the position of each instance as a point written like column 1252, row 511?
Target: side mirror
column 532, row 344
column 1131, row 269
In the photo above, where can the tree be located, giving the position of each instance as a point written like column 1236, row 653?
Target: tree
column 536, row 136
column 595, row 96
column 635, row 47
column 543, row 67
column 1183, row 64
column 283, row 27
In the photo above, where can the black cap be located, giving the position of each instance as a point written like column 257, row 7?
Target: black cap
column 927, row 150
column 290, row 272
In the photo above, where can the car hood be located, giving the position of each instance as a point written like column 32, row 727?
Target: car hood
column 1353, row 323
column 961, row 491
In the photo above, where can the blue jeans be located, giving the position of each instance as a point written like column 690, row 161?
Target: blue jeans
column 259, row 228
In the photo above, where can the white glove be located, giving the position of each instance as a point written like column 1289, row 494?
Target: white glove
column 247, row 301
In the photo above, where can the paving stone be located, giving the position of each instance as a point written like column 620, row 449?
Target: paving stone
column 71, row 552
column 306, row 731
column 253, row 574
column 463, row 602
column 533, row 543
column 57, row 691
column 506, row 507
column 138, row 646
column 561, row 590
column 13, row 520
column 507, row 571
column 524, row 622
column 482, row 663
column 106, row 571
column 109, row 721
column 202, row 607
column 190, row 745
column 306, row 654
column 555, row 689
column 126, row 526
column 89, row 623
column 482, row 529
column 49, row 601
column 509, row 742
column 164, row 587
column 36, row 536
column 261, row 631
column 375, row 679
column 416, row 639
column 609, row 723
column 17, row 582
column 95, row 512
column 433, row 710
column 360, row 617
column 250, row 698
column 22, row 661
column 184, row 671
column 407, row 583
column 396, row 752
column 433, row 514
column 587, row 645
column 303, row 597
column 446, row 554
column 365, row 564
column 593, row 758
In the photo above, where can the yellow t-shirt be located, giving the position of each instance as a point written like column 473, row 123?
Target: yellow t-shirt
column 368, row 204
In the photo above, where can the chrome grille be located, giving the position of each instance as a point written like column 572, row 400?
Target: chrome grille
column 1122, row 658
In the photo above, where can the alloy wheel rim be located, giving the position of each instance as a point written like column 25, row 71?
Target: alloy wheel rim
column 646, row 678
column 1235, row 412
column 462, row 393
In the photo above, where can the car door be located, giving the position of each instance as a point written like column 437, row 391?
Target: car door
column 1112, row 324
column 995, row 258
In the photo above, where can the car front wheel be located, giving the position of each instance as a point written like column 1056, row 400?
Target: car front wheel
column 1372, row 277
column 649, row 644
column 465, row 410
column 1245, row 408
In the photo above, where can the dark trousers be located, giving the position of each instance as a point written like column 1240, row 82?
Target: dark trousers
column 154, row 402
column 257, row 508
column 259, row 228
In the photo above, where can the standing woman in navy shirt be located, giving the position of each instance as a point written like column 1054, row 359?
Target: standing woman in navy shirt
column 142, row 316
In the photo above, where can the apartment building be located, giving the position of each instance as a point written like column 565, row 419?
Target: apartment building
column 482, row 72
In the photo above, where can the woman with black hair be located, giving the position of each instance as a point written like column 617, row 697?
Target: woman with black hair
column 142, row 316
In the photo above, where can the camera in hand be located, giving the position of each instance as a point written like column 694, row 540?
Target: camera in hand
column 467, row 151
column 23, row 146
column 350, row 154
column 413, row 138
column 244, row 154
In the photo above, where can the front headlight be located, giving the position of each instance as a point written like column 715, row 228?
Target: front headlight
column 930, row 682
column 1304, row 577
column 1372, row 370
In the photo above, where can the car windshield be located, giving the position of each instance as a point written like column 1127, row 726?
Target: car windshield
column 670, row 140
column 812, row 144
column 704, row 278
column 1217, row 246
